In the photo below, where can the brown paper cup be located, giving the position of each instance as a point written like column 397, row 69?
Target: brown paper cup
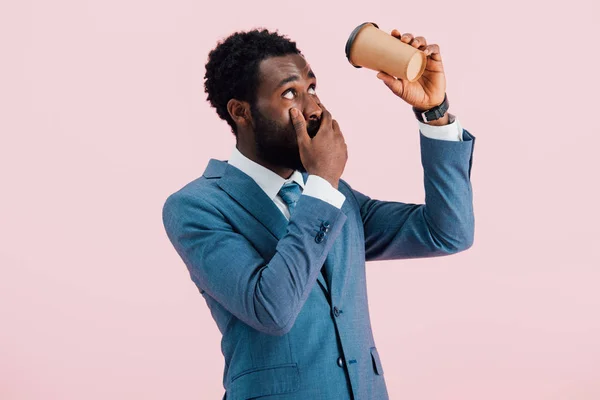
column 372, row 48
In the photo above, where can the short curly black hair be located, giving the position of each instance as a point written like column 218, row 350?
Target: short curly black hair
column 232, row 67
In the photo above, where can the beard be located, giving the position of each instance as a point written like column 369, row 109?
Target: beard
column 277, row 144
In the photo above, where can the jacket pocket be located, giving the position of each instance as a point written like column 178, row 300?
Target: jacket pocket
column 376, row 361
column 264, row 381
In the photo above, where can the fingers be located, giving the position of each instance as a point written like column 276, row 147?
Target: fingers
column 337, row 130
column 407, row 38
column 431, row 50
column 340, row 136
column 419, row 42
column 336, row 126
column 299, row 125
column 326, row 117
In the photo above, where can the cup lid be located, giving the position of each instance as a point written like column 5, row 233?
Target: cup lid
column 352, row 37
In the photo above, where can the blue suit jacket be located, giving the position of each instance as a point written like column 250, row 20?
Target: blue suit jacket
column 289, row 330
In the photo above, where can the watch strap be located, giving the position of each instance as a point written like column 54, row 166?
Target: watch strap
column 433, row 113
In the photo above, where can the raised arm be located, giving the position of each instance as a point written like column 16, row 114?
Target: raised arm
column 443, row 225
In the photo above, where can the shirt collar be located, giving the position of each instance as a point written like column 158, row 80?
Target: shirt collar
column 268, row 180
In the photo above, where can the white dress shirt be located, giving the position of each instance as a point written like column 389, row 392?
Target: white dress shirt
column 316, row 186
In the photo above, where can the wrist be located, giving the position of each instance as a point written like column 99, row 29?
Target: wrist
column 435, row 116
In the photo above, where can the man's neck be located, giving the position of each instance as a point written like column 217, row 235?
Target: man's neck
column 283, row 172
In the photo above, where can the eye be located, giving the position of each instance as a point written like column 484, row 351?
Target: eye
column 292, row 91
column 289, row 92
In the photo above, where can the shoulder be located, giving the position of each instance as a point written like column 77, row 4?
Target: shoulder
column 200, row 194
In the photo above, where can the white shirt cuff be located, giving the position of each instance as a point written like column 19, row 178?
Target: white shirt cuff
column 453, row 131
column 321, row 189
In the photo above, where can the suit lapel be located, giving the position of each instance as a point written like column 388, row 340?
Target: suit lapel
column 249, row 195
column 246, row 191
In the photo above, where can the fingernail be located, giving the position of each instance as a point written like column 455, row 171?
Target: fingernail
column 294, row 112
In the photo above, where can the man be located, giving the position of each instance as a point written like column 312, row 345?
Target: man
column 276, row 242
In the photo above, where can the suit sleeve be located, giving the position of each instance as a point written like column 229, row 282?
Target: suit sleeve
column 265, row 294
column 443, row 225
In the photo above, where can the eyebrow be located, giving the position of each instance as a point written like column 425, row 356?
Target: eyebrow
column 293, row 78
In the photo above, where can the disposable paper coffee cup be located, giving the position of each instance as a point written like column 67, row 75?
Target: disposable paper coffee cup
column 370, row 47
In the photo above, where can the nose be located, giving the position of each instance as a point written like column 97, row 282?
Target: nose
column 312, row 111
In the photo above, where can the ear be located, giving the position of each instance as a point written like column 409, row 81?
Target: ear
column 239, row 111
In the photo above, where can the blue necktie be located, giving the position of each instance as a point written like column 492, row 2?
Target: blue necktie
column 290, row 193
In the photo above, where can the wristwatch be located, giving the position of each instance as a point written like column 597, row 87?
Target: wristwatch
column 433, row 113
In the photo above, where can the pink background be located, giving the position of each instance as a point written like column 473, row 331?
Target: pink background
column 103, row 115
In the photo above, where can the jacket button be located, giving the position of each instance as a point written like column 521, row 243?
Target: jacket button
column 319, row 238
column 336, row 311
column 340, row 362
column 326, row 224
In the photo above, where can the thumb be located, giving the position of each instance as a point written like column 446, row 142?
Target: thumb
column 299, row 125
column 396, row 85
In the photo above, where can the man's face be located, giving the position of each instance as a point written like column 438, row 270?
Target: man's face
column 284, row 82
